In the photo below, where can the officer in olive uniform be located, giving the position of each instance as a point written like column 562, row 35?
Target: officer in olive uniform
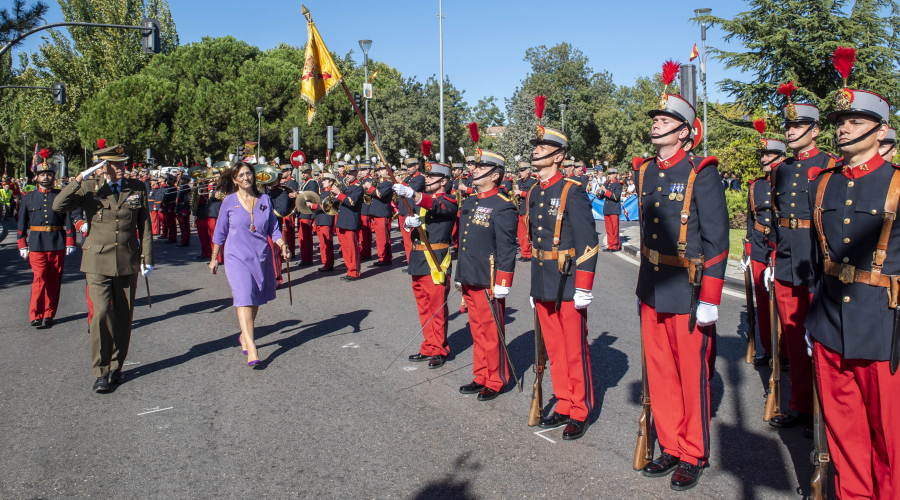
column 348, row 221
column 414, row 180
column 305, row 221
column 381, row 213
column 612, row 207
column 113, row 257
column 488, row 224
column 431, row 273
column 45, row 238
column 853, row 317
column 684, row 251
column 561, row 229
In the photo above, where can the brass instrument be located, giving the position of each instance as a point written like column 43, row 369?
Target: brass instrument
column 195, row 199
column 266, row 175
column 302, row 198
column 331, row 206
column 198, row 173
column 515, row 198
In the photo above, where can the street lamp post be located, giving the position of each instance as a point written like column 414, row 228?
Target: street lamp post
column 259, row 111
column 25, row 157
column 441, row 57
column 365, row 45
column 562, row 110
column 701, row 12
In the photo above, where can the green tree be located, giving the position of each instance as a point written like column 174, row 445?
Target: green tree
column 487, row 114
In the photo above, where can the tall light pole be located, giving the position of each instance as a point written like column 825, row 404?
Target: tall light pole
column 365, row 45
column 25, row 163
column 562, row 110
column 701, row 12
column 441, row 82
column 259, row 111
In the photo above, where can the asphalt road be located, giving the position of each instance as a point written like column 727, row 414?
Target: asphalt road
column 321, row 419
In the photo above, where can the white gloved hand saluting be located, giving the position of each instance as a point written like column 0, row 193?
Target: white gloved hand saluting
column 768, row 276
column 404, row 191
column 83, row 229
column 582, row 298
column 745, row 264
column 146, row 270
column 87, row 173
column 707, row 314
column 500, row 291
column 24, row 253
column 69, row 250
column 412, row 222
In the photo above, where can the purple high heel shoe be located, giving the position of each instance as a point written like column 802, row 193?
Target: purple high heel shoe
column 253, row 363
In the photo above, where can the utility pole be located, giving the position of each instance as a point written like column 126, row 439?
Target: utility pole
column 441, row 83
column 259, row 111
column 365, row 45
column 700, row 12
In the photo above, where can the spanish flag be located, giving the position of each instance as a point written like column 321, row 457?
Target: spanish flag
column 320, row 74
column 694, row 53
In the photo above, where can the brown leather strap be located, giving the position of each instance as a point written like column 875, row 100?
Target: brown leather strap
column 686, row 212
column 559, row 217
column 890, row 213
column 849, row 274
column 794, row 223
column 763, row 229
column 545, row 255
column 434, row 246
column 817, row 215
column 753, row 200
column 641, row 195
column 657, row 258
column 772, row 182
column 47, row 229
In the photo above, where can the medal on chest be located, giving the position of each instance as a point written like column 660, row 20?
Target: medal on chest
column 554, row 207
column 676, row 192
column 483, row 216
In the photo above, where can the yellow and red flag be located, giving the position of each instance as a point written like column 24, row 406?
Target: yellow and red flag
column 372, row 78
column 694, row 52
column 320, row 73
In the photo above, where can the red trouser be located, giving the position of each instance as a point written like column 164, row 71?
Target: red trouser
column 524, row 244
column 793, row 304
column 211, row 229
column 305, row 238
column 203, row 233
column 431, row 300
column 407, row 241
column 365, row 238
column 154, row 222
column 489, row 361
column 349, row 241
column 565, row 336
column 170, row 226
column 861, row 408
column 184, row 221
column 47, row 267
column 763, row 318
column 287, row 232
column 677, row 370
column 455, row 233
column 383, row 238
column 326, row 246
column 612, row 231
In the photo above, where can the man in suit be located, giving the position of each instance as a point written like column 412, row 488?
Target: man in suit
column 118, row 245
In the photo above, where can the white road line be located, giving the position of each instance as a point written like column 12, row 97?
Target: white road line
column 725, row 291
column 154, row 410
column 409, row 368
column 538, row 433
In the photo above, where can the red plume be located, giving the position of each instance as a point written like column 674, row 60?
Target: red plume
column 760, row 126
column 473, row 132
column 426, row 148
column 44, row 153
column 843, row 59
column 786, row 89
column 539, row 102
column 101, row 143
column 669, row 71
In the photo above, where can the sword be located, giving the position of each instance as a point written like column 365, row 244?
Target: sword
column 421, row 330
column 695, row 295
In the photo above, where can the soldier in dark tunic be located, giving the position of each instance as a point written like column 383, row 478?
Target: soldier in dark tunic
column 611, row 193
column 381, row 213
column 306, row 221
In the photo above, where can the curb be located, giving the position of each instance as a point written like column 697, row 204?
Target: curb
column 730, row 283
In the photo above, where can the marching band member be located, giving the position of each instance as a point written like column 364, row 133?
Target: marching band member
column 612, row 207
column 305, row 226
column 348, row 221
column 381, row 213
column 524, row 184
column 414, row 180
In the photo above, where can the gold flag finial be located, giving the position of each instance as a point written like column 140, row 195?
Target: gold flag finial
column 306, row 13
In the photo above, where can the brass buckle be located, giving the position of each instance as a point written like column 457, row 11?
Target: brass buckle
column 794, row 223
column 848, row 274
column 47, row 228
column 653, row 257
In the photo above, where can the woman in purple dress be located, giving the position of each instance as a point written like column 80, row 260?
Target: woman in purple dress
column 247, row 221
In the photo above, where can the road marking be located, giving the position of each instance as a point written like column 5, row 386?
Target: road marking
column 154, row 410
column 538, row 433
column 409, row 368
column 725, row 291
column 132, row 363
column 351, row 345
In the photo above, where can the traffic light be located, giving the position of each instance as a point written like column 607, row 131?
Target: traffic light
column 150, row 39
column 335, row 137
column 357, row 99
column 239, row 157
column 294, row 139
column 59, row 93
column 329, row 135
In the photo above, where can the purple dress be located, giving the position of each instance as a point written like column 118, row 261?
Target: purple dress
column 248, row 255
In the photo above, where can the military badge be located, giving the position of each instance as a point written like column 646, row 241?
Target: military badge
column 844, row 99
column 554, row 207
column 763, row 144
column 477, row 154
column 662, row 102
column 790, row 112
column 540, row 132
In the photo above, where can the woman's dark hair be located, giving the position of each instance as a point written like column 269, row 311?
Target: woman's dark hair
column 227, row 180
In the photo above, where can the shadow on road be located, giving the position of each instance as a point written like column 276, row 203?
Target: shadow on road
column 453, row 486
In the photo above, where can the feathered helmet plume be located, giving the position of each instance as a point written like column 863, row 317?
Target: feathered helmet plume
column 786, row 89
column 539, row 103
column 101, row 143
column 44, row 153
column 669, row 71
column 760, row 126
column 426, row 151
column 843, row 59
column 473, row 133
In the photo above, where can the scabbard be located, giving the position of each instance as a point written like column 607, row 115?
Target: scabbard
column 895, row 342
column 695, row 296
column 567, row 266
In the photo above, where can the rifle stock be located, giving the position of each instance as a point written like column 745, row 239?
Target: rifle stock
column 643, row 453
column 820, row 456
column 751, row 316
column 537, row 394
column 773, row 399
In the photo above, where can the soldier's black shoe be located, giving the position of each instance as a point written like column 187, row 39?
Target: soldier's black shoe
column 553, row 420
column 117, row 376
column 36, row 323
column 574, row 429
column 472, row 388
column 101, row 384
column 419, row 357
column 325, row 269
column 662, row 466
column 686, row 476
column 405, row 270
column 762, row 360
column 785, row 363
column 607, row 249
column 48, row 322
column 348, row 278
column 488, row 394
column 380, row 263
column 790, row 418
column 437, row 361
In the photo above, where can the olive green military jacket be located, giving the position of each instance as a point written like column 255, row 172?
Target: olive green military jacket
column 111, row 245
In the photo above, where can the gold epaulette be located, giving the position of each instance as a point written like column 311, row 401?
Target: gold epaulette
column 573, row 181
column 504, row 198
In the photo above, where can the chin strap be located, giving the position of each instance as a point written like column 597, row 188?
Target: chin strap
column 489, row 172
column 808, row 130
column 554, row 153
column 676, row 129
column 854, row 141
column 766, row 164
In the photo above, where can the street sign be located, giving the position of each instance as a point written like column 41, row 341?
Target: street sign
column 367, row 90
column 298, row 158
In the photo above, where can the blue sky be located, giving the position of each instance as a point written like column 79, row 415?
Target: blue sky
column 484, row 40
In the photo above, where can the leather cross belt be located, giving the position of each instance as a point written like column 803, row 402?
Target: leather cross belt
column 434, row 246
column 794, row 223
column 48, row 229
column 850, row 274
column 550, row 254
column 656, row 259
column 763, row 229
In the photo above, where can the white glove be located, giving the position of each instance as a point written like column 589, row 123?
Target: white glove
column 83, row 229
column 404, row 191
column 768, row 276
column 745, row 263
column 582, row 298
column 707, row 314
column 145, row 270
column 531, row 299
column 89, row 171
column 412, row 222
column 24, row 253
column 458, row 286
column 500, row 291
column 69, row 250
column 809, row 343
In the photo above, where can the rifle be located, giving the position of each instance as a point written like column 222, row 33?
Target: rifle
column 820, row 456
column 751, row 315
column 540, row 362
column 643, row 453
column 773, row 399
column 489, row 295
column 565, row 271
